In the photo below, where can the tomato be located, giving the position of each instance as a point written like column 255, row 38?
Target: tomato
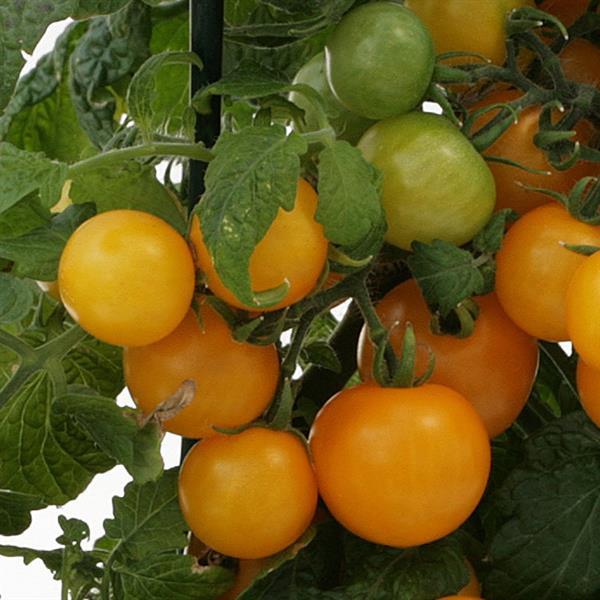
column 580, row 61
column 436, row 185
column 400, row 466
column 568, row 11
column 235, row 381
column 379, row 60
column 582, row 309
column 516, row 144
column 126, row 277
column 246, row 573
column 468, row 25
column 347, row 125
column 461, row 597
column 294, row 249
column 534, row 269
column 588, row 386
column 472, row 589
column 248, row 495
column 494, row 368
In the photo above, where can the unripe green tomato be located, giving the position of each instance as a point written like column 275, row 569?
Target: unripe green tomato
column 379, row 60
column 435, row 183
column 347, row 125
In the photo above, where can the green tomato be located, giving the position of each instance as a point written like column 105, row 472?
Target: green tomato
column 347, row 125
column 379, row 60
column 435, row 184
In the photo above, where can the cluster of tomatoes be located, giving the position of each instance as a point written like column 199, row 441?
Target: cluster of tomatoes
column 379, row 457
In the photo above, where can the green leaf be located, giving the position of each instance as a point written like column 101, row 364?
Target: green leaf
column 489, row 239
column 42, row 453
column 554, row 535
column 16, row 298
column 113, row 48
column 51, row 558
column 36, row 254
column 320, row 353
column 171, row 576
column 147, row 520
column 254, row 173
column 116, row 433
column 22, row 173
column 350, row 208
column 446, row 274
column 15, row 511
column 22, row 217
column 158, row 95
column 129, row 185
column 84, row 9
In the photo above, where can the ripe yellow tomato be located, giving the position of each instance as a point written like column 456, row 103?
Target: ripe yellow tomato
column 580, row 61
column 494, row 368
column 127, row 277
column 588, row 386
column 235, row 381
column 248, row 495
column 582, row 310
column 468, row 25
column 534, row 269
column 400, row 466
column 294, row 249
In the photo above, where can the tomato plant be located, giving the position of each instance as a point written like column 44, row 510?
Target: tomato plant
column 234, row 382
column 533, row 258
column 379, row 60
column 142, row 280
column 248, row 495
column 436, row 186
column 580, row 61
column 468, row 25
column 497, row 389
column 588, row 380
column 400, row 467
column 568, row 11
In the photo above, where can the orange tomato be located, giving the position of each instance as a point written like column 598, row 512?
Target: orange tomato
column 127, row 277
column 472, row 589
column 494, row 368
column 534, row 269
column 294, row 249
column 248, row 495
column 588, row 386
column 235, row 381
column 246, row 573
column 516, row 144
column 400, row 467
column 568, row 11
column 580, row 61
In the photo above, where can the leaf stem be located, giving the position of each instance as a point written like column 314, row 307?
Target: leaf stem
column 186, row 150
column 25, row 351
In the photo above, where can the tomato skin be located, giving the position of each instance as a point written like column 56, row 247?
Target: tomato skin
column 468, row 25
column 533, row 269
column 246, row 573
column 436, row 185
column 568, row 11
column 473, row 588
column 588, row 386
column 379, row 60
column 494, row 368
column 248, row 495
column 292, row 235
column 582, row 310
column 347, row 125
column 400, row 467
column 461, row 597
column 126, row 277
column 580, row 61
column 235, row 381
column 516, row 144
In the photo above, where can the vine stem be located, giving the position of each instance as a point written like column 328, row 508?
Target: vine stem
column 186, row 150
column 25, row 351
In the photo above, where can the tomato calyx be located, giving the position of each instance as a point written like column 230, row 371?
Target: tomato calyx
column 459, row 323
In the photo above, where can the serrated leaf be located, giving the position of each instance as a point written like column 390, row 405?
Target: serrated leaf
column 147, row 520
column 15, row 511
column 446, row 274
column 320, row 353
column 16, row 298
column 254, row 173
column 22, row 173
column 161, row 105
column 84, row 9
column 22, row 217
column 350, row 207
column 41, row 453
column 489, row 239
column 171, row 576
column 116, row 433
column 555, row 535
column 36, row 254
column 131, row 186
column 51, row 558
